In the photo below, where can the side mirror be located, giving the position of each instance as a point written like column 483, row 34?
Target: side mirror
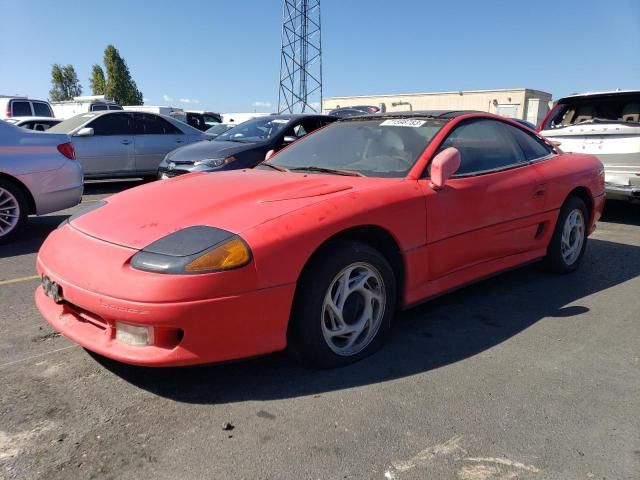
column 269, row 154
column 445, row 164
column 290, row 139
column 84, row 132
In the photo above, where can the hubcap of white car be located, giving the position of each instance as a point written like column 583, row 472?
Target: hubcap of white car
column 353, row 309
column 572, row 237
column 9, row 212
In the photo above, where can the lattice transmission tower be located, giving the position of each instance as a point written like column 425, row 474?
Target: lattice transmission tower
column 300, row 58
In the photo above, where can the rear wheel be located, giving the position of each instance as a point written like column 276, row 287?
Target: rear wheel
column 569, row 239
column 13, row 210
column 343, row 308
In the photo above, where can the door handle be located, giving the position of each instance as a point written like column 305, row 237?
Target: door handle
column 126, row 142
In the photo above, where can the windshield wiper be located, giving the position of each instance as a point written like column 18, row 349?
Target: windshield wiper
column 274, row 166
column 334, row 171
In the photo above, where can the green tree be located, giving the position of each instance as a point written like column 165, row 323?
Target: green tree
column 97, row 81
column 120, row 87
column 65, row 83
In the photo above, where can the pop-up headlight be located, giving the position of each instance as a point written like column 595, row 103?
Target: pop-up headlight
column 193, row 250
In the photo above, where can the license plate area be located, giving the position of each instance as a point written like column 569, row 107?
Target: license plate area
column 52, row 289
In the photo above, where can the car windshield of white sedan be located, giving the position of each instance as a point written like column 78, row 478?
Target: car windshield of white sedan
column 256, row 130
column 72, row 123
column 373, row 148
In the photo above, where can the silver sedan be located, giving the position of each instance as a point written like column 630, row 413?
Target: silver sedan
column 125, row 144
column 38, row 175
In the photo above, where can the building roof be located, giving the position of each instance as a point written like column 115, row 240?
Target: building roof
column 456, row 92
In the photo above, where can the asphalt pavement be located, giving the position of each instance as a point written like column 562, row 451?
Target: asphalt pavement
column 526, row 375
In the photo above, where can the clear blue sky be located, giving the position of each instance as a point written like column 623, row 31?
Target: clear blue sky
column 225, row 53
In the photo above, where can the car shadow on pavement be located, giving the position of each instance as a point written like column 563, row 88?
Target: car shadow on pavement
column 443, row 331
column 109, row 187
column 616, row 211
column 30, row 238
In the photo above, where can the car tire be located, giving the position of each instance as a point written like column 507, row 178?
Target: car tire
column 13, row 210
column 332, row 297
column 569, row 239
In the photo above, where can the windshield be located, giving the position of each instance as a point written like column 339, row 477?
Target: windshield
column 256, row 130
column 72, row 123
column 618, row 108
column 219, row 128
column 374, row 148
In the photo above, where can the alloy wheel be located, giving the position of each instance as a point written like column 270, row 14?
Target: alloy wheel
column 353, row 309
column 572, row 236
column 9, row 212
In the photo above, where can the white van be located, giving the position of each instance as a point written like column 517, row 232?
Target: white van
column 84, row 104
column 605, row 124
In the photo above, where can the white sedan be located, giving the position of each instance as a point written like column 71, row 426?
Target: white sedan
column 38, row 175
column 121, row 143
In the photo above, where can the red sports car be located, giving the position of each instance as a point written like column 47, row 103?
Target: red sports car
column 315, row 249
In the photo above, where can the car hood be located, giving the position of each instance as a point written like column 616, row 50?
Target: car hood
column 235, row 201
column 207, row 149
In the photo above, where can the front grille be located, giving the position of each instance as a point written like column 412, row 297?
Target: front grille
column 172, row 173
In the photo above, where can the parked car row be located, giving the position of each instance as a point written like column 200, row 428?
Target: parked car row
column 315, row 249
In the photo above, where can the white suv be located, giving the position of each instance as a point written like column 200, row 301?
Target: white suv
column 604, row 124
column 23, row 107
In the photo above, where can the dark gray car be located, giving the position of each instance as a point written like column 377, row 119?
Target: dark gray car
column 244, row 146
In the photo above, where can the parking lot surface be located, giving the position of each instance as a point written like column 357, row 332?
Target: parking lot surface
column 525, row 375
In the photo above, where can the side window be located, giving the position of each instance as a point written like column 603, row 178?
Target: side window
column 41, row 109
column 98, row 106
column 196, row 121
column 148, row 124
column 21, row 109
column 28, row 125
column 532, row 147
column 484, row 145
column 302, row 129
column 210, row 120
column 112, row 124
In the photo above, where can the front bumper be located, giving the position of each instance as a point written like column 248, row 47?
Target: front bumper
column 55, row 190
column 622, row 192
column 99, row 288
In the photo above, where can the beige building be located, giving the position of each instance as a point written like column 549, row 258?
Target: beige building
column 531, row 105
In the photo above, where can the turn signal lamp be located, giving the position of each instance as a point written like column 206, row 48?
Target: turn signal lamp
column 231, row 254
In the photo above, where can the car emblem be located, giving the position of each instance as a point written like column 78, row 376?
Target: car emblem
column 52, row 289
column 172, row 166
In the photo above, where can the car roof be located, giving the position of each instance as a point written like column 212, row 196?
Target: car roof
column 599, row 94
column 439, row 114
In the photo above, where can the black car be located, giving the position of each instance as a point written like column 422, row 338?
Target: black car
column 244, row 146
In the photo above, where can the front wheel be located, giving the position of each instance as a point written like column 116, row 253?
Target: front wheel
column 343, row 307
column 569, row 238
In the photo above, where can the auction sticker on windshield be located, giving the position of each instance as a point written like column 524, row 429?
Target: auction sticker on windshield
column 402, row 122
